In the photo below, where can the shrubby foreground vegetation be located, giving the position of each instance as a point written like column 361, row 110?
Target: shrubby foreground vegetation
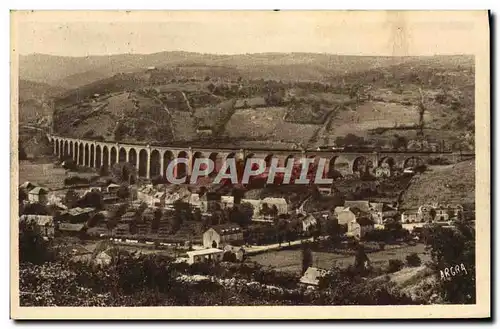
column 48, row 277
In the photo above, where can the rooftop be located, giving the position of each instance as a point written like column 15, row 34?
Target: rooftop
column 204, row 252
column 226, row 228
column 78, row 211
column 70, row 227
column 40, row 220
column 312, row 275
column 38, row 190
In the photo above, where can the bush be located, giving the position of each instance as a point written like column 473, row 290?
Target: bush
column 413, row 260
column 394, row 265
column 229, row 256
column 76, row 180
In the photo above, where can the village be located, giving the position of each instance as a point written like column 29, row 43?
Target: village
column 204, row 222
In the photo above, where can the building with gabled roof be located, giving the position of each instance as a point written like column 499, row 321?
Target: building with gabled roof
column 205, row 255
column 44, row 224
column 38, row 194
column 221, row 235
column 312, row 276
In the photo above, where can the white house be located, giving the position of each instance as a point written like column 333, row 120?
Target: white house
column 227, row 201
column 113, row 188
column 280, row 203
column 38, row 194
column 360, row 226
column 344, row 215
column 205, row 255
column 221, row 235
column 145, row 194
column 312, row 276
column 159, row 199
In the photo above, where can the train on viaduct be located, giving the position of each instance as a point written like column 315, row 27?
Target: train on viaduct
column 152, row 161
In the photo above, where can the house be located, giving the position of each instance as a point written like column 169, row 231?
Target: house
column 109, row 198
column 78, row 253
column 377, row 212
column 145, row 194
column 121, row 230
column 159, row 199
column 71, row 228
column 194, row 200
column 312, row 276
column 28, row 186
column 222, row 235
column 360, row 226
column 425, row 213
column 410, row 216
column 360, row 204
column 38, row 194
column 205, row 131
column 103, row 258
column 77, row 215
column 205, row 255
column 381, row 172
column 325, row 190
column 44, row 224
column 256, row 206
column 308, row 223
column 442, row 214
column 227, row 201
column 239, row 252
column 344, row 215
column 375, row 209
column 113, row 188
column 280, row 203
column 94, row 189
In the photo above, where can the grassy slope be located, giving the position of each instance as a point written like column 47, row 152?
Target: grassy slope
column 447, row 184
column 266, row 125
column 35, row 99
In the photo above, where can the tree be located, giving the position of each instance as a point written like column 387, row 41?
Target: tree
column 32, row 246
column 92, row 199
column 333, row 230
column 35, row 209
column 123, row 192
column 452, row 247
column 307, row 257
column 244, row 213
column 394, row 265
column 104, row 170
column 22, row 195
column 155, row 223
column 400, row 142
column 71, row 198
column 21, row 152
column 124, row 172
column 413, row 260
column 361, row 260
column 432, row 214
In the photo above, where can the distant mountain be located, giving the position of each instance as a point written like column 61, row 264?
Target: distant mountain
column 72, row 72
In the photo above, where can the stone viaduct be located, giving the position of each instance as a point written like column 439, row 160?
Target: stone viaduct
column 152, row 160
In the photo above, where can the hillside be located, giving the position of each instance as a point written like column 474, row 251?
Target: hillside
column 72, row 72
column 444, row 184
column 35, row 100
column 267, row 100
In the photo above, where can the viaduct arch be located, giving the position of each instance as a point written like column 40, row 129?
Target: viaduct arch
column 152, row 161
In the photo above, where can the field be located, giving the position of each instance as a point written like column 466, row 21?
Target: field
column 290, row 260
column 371, row 115
column 268, row 124
column 44, row 174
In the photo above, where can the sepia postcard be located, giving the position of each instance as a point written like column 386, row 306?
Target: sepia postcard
column 250, row 164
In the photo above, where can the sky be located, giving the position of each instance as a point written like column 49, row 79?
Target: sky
column 229, row 32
